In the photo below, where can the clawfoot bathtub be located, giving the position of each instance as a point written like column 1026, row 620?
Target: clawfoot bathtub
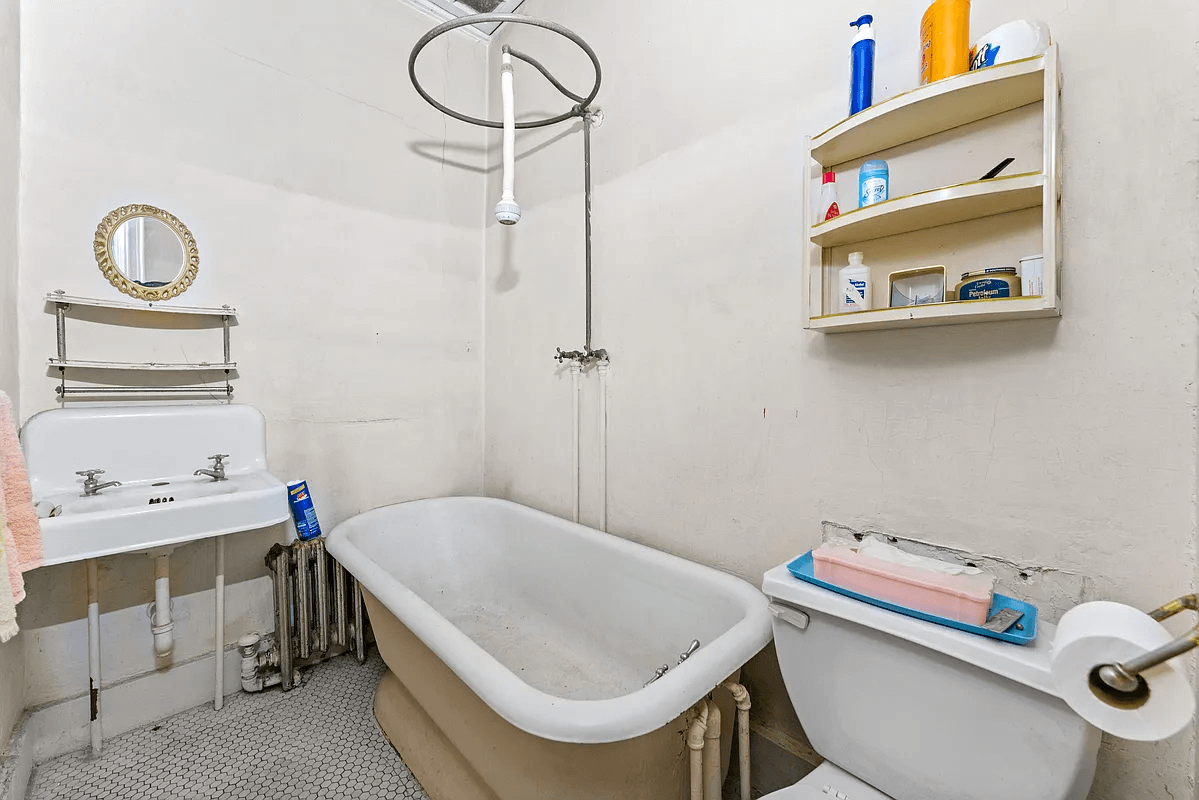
column 519, row 646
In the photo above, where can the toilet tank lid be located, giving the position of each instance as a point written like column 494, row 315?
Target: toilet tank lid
column 1026, row 664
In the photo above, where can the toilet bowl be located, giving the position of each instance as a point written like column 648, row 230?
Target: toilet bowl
column 904, row 709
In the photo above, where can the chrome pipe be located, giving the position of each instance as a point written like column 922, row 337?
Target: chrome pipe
column 516, row 19
column 1125, row 677
column 587, row 217
column 60, row 323
column 148, row 390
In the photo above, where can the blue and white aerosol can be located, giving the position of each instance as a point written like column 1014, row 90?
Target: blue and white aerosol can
column 861, row 81
column 300, row 500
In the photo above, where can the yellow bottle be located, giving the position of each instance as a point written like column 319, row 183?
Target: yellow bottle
column 944, row 40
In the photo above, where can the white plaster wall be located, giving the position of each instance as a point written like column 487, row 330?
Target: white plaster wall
column 12, row 659
column 287, row 137
column 1067, row 443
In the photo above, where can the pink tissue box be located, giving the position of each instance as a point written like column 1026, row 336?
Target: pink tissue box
column 949, row 596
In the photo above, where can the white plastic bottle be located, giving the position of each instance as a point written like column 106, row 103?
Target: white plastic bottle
column 828, row 198
column 854, row 286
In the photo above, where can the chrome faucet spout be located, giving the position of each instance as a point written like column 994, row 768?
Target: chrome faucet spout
column 217, row 473
column 90, row 485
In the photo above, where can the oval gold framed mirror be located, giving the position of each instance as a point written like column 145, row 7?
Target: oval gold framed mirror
column 146, row 252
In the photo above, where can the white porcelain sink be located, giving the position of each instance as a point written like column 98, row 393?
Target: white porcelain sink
column 153, row 451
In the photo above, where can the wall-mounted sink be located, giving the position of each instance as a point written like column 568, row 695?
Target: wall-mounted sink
column 153, row 451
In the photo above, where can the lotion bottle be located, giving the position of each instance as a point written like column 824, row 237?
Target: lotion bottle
column 854, row 286
column 861, row 81
column 828, row 198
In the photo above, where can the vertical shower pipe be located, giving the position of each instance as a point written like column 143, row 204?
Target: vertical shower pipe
column 219, row 698
column 587, row 216
column 93, row 653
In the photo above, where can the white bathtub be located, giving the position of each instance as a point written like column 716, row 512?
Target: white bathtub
column 555, row 626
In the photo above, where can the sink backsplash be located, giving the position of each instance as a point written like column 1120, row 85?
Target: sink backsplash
column 142, row 442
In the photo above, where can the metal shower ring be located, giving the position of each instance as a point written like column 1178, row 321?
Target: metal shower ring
column 518, row 19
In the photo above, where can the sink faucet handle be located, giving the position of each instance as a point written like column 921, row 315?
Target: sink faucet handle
column 90, row 473
column 218, row 458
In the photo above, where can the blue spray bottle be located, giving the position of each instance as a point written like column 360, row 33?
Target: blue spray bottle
column 861, row 87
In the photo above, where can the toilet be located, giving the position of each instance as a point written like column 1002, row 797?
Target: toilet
column 903, row 709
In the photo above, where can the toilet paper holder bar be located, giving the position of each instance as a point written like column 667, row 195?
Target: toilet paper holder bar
column 1126, row 677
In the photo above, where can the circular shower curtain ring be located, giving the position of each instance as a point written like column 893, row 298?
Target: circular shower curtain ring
column 519, row 19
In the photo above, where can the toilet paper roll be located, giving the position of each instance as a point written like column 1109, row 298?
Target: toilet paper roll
column 1094, row 634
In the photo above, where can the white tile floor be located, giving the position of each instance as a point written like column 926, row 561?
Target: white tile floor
column 317, row 742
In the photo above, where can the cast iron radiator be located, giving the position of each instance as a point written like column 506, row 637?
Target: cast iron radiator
column 318, row 607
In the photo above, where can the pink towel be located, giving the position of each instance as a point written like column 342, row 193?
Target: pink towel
column 20, row 517
column 14, row 572
column 16, row 582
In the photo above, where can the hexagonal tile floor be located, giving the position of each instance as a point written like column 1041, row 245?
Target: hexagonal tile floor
column 318, row 742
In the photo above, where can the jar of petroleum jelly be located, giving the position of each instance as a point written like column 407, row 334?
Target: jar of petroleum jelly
column 988, row 284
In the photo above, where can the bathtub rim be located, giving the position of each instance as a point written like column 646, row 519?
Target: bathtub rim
column 531, row 709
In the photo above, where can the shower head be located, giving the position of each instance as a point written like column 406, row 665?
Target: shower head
column 508, row 213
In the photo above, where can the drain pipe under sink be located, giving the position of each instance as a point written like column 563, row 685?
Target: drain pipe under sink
column 161, row 624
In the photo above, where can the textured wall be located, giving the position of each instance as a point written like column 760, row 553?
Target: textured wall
column 1065, row 443
column 287, row 137
column 12, row 663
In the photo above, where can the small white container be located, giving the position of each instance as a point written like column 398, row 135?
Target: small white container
column 1032, row 276
column 853, row 288
column 1023, row 38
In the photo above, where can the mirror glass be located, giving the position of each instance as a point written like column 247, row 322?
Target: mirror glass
column 147, row 251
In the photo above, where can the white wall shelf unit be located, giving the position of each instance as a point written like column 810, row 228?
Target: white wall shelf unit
column 62, row 303
column 907, row 118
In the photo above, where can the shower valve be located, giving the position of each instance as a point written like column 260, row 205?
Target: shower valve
column 570, row 355
column 583, row 357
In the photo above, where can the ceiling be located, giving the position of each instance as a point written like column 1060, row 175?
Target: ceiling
column 448, row 9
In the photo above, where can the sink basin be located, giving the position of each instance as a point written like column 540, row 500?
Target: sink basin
column 155, row 495
column 153, row 451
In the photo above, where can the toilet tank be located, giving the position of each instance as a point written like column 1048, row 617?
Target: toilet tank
column 922, row 711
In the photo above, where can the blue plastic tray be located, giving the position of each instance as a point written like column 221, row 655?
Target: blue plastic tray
column 802, row 568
